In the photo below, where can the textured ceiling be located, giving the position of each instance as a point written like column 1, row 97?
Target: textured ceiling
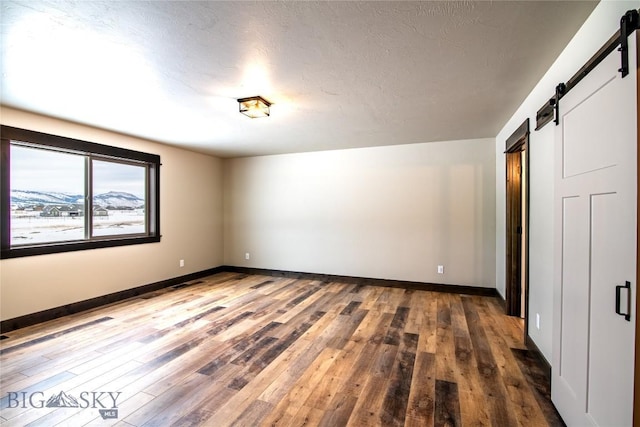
column 340, row 74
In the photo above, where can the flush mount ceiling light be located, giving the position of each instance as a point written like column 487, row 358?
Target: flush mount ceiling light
column 254, row 107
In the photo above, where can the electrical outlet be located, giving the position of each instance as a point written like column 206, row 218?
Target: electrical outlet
column 181, row 263
column 247, row 255
column 538, row 320
column 441, row 269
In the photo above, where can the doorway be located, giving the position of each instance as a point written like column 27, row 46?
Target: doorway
column 517, row 230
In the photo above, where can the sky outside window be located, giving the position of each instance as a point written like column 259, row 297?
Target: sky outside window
column 47, row 171
column 119, row 177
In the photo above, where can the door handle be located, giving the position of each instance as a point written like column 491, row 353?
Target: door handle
column 619, row 288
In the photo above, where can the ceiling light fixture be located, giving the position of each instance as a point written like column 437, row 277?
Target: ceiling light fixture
column 254, row 107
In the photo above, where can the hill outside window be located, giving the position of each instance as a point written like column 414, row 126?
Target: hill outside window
column 61, row 194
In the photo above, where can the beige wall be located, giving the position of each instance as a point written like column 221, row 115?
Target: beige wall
column 602, row 23
column 386, row 212
column 191, row 228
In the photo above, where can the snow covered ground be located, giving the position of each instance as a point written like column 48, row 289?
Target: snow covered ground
column 29, row 227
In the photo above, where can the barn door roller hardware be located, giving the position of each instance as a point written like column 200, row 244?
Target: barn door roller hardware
column 629, row 22
column 551, row 110
column 561, row 89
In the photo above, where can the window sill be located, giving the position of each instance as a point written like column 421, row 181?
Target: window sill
column 74, row 246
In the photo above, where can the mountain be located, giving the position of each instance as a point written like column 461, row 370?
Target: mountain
column 62, row 400
column 118, row 200
column 29, row 198
column 110, row 200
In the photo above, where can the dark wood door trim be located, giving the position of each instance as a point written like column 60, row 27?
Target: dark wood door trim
column 515, row 144
column 514, row 233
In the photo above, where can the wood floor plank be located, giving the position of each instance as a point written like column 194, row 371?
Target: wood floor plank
column 112, row 338
column 349, row 324
column 372, row 294
column 31, row 383
column 369, row 405
column 168, row 407
column 427, row 304
column 248, row 350
column 519, row 390
column 508, row 327
column 289, row 404
column 159, row 371
column 520, row 394
column 394, row 333
column 339, row 411
column 474, row 409
column 421, row 400
column 394, row 406
column 253, row 414
column 201, row 413
column 355, row 372
column 8, row 379
column 242, row 398
column 307, row 416
column 531, row 368
column 501, row 410
column 7, row 346
column 445, row 345
column 466, row 369
column 447, row 405
column 323, row 392
column 314, row 344
column 272, row 351
column 373, row 327
column 359, row 371
column 389, row 300
column 293, row 361
column 416, row 312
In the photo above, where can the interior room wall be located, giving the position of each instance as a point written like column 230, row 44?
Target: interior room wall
column 191, row 228
column 598, row 28
column 393, row 212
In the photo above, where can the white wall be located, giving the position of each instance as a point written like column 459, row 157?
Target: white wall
column 598, row 28
column 387, row 212
column 191, row 228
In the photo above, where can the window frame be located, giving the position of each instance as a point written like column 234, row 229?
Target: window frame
column 91, row 151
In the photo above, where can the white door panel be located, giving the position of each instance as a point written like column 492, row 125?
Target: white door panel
column 607, row 269
column 583, row 148
column 574, row 338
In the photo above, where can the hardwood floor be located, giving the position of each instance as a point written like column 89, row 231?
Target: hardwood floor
column 242, row 350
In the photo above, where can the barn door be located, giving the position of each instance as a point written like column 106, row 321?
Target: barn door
column 595, row 248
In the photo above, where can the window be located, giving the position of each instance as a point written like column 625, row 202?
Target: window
column 59, row 194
